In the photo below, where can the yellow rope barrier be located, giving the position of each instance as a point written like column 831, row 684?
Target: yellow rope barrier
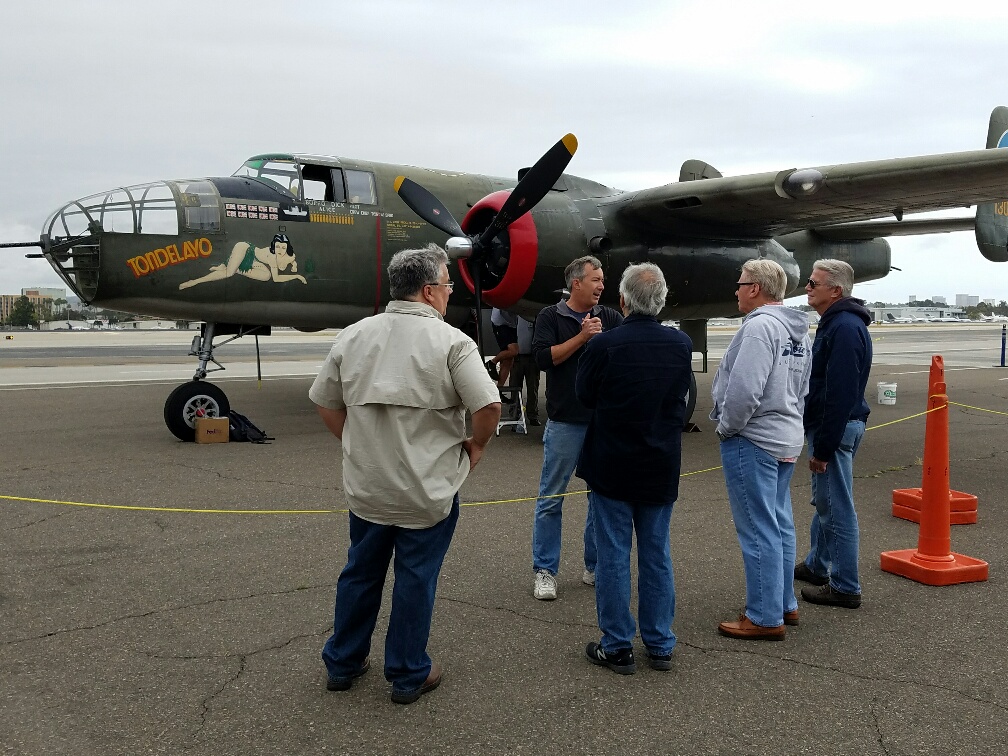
column 182, row 510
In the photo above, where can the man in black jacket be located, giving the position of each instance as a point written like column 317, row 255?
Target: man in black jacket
column 835, row 416
column 561, row 332
column 635, row 379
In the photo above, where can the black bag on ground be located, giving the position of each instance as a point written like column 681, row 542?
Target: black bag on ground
column 242, row 429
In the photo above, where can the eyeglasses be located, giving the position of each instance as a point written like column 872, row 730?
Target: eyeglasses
column 449, row 284
column 740, row 284
column 812, row 283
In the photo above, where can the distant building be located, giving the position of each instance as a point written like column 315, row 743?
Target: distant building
column 43, row 305
column 967, row 300
column 913, row 298
column 899, row 314
column 45, row 291
column 939, row 299
column 990, row 301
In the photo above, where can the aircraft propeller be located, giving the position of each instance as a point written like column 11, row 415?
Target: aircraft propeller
column 531, row 188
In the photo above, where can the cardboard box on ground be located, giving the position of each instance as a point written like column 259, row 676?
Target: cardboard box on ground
column 212, row 430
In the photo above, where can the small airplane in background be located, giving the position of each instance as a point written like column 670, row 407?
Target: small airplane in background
column 994, row 318
column 890, row 318
column 304, row 240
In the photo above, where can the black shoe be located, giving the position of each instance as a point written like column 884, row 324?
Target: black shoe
column 661, row 662
column 803, row 573
column 344, row 683
column 621, row 662
column 829, row 596
column 534, row 422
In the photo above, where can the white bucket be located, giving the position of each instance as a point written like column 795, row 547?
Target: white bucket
column 886, row 393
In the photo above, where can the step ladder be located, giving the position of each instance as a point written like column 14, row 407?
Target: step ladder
column 512, row 402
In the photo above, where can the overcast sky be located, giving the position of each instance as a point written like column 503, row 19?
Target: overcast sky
column 104, row 94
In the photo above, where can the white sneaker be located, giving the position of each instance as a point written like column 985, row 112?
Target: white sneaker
column 545, row 588
column 588, row 578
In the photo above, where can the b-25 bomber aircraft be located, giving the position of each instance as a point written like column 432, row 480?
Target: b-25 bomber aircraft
column 303, row 240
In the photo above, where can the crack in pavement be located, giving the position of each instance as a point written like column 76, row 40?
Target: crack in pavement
column 205, row 703
column 878, row 725
column 257, row 481
column 713, row 650
column 848, row 673
column 514, row 612
column 164, row 610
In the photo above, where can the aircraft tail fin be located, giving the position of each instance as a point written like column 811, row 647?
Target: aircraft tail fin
column 992, row 218
column 694, row 170
column 889, row 317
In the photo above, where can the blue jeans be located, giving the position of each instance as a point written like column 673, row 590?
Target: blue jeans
column 561, row 449
column 834, row 532
column 419, row 554
column 760, row 496
column 615, row 524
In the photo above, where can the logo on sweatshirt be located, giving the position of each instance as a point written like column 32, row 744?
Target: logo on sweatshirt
column 793, row 348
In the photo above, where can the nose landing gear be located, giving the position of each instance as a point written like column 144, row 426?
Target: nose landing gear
column 198, row 398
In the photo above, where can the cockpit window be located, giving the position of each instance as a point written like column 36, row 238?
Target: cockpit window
column 278, row 174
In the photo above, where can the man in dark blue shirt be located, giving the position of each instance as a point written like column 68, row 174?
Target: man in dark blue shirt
column 561, row 332
column 635, row 380
column 835, row 416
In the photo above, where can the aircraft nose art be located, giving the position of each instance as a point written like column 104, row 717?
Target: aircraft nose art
column 508, row 271
column 72, row 237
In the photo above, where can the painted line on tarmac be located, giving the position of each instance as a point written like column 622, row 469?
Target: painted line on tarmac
column 947, row 370
column 151, row 382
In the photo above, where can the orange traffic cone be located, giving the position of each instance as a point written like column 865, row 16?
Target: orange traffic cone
column 933, row 562
column 906, row 502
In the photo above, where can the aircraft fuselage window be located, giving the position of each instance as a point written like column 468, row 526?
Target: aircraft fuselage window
column 323, row 183
column 360, row 187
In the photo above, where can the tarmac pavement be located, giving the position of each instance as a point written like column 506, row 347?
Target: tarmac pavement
column 147, row 630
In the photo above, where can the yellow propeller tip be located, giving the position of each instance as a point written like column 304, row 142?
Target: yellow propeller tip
column 398, row 182
column 570, row 142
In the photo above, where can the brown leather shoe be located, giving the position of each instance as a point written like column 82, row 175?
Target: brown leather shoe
column 791, row 618
column 432, row 681
column 744, row 628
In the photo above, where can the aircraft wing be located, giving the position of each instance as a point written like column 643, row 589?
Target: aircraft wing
column 769, row 204
column 863, row 230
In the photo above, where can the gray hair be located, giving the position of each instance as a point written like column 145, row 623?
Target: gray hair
column 576, row 270
column 411, row 269
column 769, row 275
column 838, row 273
column 643, row 289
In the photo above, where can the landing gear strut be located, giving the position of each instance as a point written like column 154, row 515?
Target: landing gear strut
column 198, row 398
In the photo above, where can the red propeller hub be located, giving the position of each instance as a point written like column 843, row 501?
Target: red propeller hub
column 524, row 244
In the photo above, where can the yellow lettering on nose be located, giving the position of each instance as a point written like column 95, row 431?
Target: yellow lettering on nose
column 205, row 247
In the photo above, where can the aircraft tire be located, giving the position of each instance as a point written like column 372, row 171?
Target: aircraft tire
column 184, row 404
column 691, row 399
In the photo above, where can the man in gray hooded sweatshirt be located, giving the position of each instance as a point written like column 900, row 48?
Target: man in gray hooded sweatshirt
column 759, row 397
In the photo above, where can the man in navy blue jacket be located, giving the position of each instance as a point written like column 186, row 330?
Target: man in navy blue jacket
column 835, row 417
column 634, row 379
